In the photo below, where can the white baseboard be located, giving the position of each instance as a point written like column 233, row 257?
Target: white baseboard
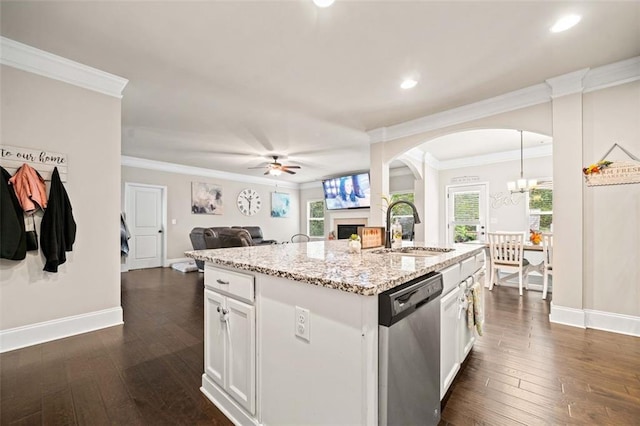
column 20, row 337
column 599, row 320
column 567, row 316
column 616, row 323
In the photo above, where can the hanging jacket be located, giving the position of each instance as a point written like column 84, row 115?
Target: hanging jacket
column 30, row 188
column 58, row 229
column 12, row 236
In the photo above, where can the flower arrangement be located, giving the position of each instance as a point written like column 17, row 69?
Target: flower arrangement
column 535, row 236
column 595, row 168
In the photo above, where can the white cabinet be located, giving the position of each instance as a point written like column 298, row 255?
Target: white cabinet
column 230, row 335
column 456, row 338
column 449, row 341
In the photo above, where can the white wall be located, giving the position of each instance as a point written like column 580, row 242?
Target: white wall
column 179, row 207
column 40, row 113
column 612, row 213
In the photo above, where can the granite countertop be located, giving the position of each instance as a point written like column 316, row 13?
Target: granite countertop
column 329, row 263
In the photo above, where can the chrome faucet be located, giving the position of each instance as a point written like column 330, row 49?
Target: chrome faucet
column 416, row 219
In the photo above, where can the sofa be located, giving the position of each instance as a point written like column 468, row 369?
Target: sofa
column 225, row 236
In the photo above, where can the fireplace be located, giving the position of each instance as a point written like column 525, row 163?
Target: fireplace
column 345, row 231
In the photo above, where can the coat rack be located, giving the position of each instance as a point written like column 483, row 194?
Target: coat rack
column 12, row 157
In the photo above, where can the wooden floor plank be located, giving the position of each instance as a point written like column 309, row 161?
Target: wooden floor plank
column 57, row 408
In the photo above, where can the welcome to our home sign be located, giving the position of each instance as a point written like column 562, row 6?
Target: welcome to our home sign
column 12, row 157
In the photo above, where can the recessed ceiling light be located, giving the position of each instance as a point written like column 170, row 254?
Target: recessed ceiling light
column 409, row 83
column 323, row 3
column 565, row 23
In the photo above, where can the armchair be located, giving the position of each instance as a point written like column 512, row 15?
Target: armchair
column 256, row 235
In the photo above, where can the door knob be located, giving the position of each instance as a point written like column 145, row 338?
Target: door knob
column 159, row 231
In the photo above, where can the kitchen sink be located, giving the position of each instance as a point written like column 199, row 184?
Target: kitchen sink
column 414, row 251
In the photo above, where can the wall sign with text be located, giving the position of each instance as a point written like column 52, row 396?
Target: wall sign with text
column 12, row 157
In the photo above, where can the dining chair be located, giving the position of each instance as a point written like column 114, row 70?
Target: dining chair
column 547, row 254
column 506, row 250
column 300, row 238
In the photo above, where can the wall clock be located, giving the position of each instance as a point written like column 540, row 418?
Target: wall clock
column 249, row 202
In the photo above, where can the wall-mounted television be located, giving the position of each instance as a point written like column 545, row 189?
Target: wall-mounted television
column 347, row 192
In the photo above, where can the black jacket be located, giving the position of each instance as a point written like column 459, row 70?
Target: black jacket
column 58, row 229
column 13, row 242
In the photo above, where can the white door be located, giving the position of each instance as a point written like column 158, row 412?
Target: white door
column 466, row 213
column 241, row 361
column 449, row 339
column 215, row 333
column 145, row 222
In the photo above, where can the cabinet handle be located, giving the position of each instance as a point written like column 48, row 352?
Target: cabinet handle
column 219, row 281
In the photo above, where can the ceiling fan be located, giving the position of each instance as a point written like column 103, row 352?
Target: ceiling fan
column 275, row 168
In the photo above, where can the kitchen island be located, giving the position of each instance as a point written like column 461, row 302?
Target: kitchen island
column 291, row 330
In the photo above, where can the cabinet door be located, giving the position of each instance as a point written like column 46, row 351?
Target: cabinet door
column 449, row 340
column 215, row 339
column 467, row 335
column 241, row 361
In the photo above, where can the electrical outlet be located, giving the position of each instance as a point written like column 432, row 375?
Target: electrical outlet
column 302, row 323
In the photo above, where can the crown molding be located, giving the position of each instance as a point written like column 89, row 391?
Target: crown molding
column 316, row 184
column 612, row 75
column 517, row 99
column 497, row 157
column 36, row 61
column 584, row 80
column 567, row 84
column 143, row 163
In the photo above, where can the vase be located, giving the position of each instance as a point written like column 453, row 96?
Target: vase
column 354, row 246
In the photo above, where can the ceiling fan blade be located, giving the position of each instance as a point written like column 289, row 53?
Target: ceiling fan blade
column 288, row 171
column 291, row 167
column 258, row 167
column 266, row 173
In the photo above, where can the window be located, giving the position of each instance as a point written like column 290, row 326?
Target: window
column 466, row 213
column 541, row 207
column 315, row 218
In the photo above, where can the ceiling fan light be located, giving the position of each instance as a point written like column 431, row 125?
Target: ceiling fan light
column 275, row 172
column 565, row 23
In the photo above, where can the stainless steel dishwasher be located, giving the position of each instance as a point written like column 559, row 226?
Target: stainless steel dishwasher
column 409, row 353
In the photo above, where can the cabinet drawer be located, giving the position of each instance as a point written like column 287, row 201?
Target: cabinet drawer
column 468, row 267
column 229, row 282
column 480, row 259
column 450, row 278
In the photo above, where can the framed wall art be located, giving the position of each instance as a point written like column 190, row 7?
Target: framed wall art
column 206, row 198
column 280, row 204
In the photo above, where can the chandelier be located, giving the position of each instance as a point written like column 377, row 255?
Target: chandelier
column 521, row 185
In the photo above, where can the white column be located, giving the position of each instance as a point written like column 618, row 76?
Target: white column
column 379, row 176
column 568, row 200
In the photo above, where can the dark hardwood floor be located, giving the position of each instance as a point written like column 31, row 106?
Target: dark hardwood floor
column 147, row 372
column 524, row 370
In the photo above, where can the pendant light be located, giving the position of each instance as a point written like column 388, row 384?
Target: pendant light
column 521, row 185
